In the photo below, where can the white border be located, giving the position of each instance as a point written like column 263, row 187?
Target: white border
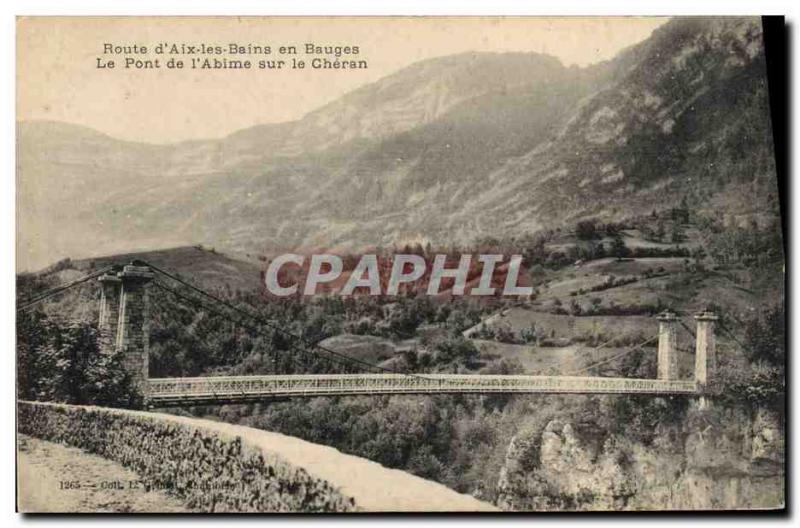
column 397, row 7
column 339, row 7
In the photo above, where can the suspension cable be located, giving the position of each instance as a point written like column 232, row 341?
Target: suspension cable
column 732, row 336
column 612, row 358
column 598, row 347
column 336, row 356
column 274, row 326
column 225, row 316
column 194, row 332
column 687, row 328
column 194, row 302
column 58, row 289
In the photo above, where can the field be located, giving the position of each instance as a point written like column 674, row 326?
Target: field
column 612, row 303
column 366, row 348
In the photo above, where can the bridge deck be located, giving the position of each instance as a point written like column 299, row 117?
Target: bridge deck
column 231, row 389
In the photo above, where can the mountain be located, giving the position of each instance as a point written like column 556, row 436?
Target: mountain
column 447, row 150
column 689, row 117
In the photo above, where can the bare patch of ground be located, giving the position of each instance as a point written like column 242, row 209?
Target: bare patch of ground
column 568, row 360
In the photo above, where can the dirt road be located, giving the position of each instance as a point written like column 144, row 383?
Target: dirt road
column 55, row 478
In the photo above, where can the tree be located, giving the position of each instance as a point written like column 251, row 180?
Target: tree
column 660, row 231
column 61, row 361
column 424, row 463
column 765, row 337
column 504, row 334
column 678, row 234
column 680, row 214
column 456, row 349
column 618, row 247
column 586, row 229
column 596, row 301
column 760, row 381
column 600, row 251
column 529, row 335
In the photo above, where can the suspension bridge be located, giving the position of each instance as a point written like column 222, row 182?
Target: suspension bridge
column 123, row 327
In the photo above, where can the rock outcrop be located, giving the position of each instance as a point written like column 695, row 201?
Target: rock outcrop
column 714, row 459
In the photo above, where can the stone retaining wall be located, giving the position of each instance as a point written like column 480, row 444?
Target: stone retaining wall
column 219, row 467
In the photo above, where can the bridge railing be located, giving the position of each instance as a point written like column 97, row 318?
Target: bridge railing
column 167, row 390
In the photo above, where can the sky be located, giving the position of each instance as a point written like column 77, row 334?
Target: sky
column 58, row 76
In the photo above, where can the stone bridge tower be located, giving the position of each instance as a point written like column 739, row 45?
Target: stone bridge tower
column 705, row 353
column 124, row 324
column 705, row 358
column 667, row 351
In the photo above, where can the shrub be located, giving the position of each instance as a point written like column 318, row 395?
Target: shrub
column 456, row 350
column 586, row 229
column 528, row 335
column 504, row 334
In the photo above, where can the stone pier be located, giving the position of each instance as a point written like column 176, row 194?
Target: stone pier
column 705, row 348
column 110, row 288
column 667, row 351
column 124, row 324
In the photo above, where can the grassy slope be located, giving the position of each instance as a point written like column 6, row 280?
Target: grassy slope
column 204, row 267
column 674, row 284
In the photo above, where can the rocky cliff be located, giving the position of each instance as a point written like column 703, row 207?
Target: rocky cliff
column 714, row 458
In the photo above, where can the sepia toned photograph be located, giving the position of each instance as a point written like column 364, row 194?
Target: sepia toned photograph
column 399, row 264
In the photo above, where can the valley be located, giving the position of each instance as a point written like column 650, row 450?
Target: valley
column 587, row 313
